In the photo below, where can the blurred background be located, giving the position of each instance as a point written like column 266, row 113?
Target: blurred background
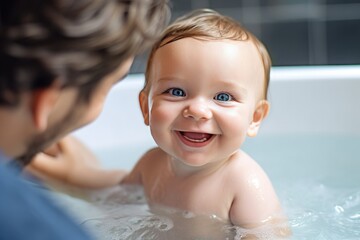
column 296, row 32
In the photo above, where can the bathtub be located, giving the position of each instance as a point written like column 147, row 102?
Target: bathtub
column 309, row 144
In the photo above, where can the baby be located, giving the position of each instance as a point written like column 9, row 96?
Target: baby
column 205, row 91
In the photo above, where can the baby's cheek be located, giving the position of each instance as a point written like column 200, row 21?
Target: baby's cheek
column 158, row 115
column 161, row 120
column 161, row 113
column 235, row 126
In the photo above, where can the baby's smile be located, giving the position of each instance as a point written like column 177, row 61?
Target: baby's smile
column 194, row 139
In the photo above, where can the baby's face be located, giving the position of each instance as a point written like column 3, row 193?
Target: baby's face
column 203, row 97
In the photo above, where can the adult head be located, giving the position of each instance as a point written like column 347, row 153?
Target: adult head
column 59, row 59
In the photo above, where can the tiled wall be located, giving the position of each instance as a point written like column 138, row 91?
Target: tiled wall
column 296, row 32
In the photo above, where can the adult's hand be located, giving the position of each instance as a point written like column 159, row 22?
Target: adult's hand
column 71, row 162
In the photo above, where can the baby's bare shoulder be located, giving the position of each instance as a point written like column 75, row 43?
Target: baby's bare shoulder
column 147, row 164
column 242, row 165
column 244, row 174
column 153, row 153
column 255, row 199
column 152, row 156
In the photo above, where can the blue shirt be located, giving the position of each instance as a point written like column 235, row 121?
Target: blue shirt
column 26, row 213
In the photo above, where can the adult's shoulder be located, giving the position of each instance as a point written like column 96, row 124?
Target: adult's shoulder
column 27, row 213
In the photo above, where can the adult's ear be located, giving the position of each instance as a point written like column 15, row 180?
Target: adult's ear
column 43, row 101
column 144, row 105
column 261, row 111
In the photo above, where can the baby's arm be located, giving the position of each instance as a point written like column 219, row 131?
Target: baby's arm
column 255, row 202
column 70, row 162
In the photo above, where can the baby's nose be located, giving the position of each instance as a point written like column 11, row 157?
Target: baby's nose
column 198, row 110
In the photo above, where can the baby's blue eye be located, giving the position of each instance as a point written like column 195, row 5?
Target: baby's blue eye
column 223, row 97
column 177, row 92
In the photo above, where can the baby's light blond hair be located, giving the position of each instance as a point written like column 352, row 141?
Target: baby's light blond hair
column 206, row 24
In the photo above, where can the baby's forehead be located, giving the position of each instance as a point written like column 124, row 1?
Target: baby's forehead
column 221, row 55
column 241, row 52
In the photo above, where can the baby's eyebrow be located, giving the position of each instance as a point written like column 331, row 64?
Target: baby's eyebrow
column 168, row 79
column 234, row 86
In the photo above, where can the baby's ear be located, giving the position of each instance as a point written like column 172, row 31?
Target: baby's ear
column 260, row 113
column 144, row 105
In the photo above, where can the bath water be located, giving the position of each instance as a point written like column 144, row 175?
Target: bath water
column 316, row 177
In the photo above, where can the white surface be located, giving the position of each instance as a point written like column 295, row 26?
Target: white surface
column 304, row 100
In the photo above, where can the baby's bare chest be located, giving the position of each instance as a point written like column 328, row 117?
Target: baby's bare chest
column 208, row 195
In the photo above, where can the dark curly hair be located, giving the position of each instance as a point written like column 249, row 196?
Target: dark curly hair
column 77, row 42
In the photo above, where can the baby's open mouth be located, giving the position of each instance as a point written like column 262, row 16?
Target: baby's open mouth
column 196, row 137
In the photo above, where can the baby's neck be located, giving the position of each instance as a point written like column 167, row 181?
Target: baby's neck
column 180, row 169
